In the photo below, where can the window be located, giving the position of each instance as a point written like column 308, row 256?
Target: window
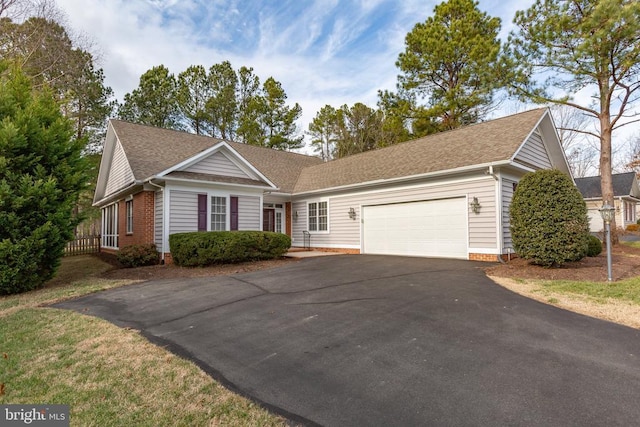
column 218, row 213
column 278, row 222
column 129, row 216
column 110, row 226
column 629, row 212
column 318, row 216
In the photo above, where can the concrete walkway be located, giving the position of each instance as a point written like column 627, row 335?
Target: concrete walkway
column 309, row 254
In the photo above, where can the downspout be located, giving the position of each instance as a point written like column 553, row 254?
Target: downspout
column 162, row 225
column 491, row 173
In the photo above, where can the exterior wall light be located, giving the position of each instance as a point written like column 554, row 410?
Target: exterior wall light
column 608, row 212
column 295, row 215
column 352, row 213
column 475, row 205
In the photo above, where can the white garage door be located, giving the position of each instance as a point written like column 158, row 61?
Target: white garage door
column 436, row 228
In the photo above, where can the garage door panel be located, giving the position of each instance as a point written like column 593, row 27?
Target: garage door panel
column 435, row 228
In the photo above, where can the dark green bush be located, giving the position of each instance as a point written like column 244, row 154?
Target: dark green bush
column 549, row 223
column 226, row 247
column 138, row 255
column 42, row 173
column 595, row 246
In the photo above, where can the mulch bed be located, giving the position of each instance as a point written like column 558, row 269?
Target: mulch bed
column 625, row 264
column 172, row 271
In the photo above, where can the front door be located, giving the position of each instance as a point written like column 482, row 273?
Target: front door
column 268, row 220
column 273, row 219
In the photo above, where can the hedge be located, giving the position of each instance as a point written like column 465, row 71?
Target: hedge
column 226, row 247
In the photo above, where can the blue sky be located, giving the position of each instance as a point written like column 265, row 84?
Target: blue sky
column 322, row 51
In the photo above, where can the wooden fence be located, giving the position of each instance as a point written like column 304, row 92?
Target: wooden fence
column 88, row 244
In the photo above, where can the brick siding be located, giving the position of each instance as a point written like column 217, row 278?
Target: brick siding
column 143, row 220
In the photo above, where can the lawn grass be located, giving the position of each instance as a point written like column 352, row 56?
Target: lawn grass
column 627, row 290
column 109, row 376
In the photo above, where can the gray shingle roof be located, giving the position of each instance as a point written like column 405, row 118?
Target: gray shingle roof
column 151, row 150
column 481, row 143
column 622, row 185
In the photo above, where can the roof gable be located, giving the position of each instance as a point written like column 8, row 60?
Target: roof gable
column 152, row 152
column 624, row 184
column 218, row 163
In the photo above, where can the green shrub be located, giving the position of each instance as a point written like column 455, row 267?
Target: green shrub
column 226, row 247
column 138, row 255
column 549, row 223
column 42, row 173
column 595, row 246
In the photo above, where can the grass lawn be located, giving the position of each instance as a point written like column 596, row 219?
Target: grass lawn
column 109, row 376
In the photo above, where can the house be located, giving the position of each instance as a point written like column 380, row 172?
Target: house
column 626, row 195
column 443, row 195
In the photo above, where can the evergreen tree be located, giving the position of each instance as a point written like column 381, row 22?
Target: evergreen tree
column 448, row 69
column 42, row 173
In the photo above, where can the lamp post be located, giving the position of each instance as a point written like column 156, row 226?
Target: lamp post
column 607, row 212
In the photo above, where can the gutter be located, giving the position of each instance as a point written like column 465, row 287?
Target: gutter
column 163, row 212
column 407, row 178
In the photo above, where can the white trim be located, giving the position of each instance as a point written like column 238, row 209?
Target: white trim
column 463, row 169
column 498, row 182
column 318, row 201
column 478, row 177
column 330, row 246
column 533, row 130
column 197, row 181
column 209, row 151
column 484, row 251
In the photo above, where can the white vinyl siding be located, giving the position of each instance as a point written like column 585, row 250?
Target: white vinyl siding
column 507, row 196
column 183, row 211
column 345, row 231
column 217, row 164
column 120, row 174
column 533, row 153
column 157, row 229
column 248, row 213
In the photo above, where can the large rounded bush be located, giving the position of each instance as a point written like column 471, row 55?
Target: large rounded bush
column 549, row 223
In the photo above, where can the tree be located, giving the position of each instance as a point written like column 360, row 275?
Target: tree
column 549, row 223
column 578, row 147
column 49, row 56
column 359, row 129
column 154, row 101
column 278, row 119
column 322, row 130
column 192, row 94
column 563, row 47
column 249, row 107
column 222, row 106
column 42, row 173
column 450, row 62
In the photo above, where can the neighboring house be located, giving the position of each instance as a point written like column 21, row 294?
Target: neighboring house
column 626, row 195
column 444, row 195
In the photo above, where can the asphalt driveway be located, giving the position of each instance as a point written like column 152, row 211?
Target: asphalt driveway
column 359, row 340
